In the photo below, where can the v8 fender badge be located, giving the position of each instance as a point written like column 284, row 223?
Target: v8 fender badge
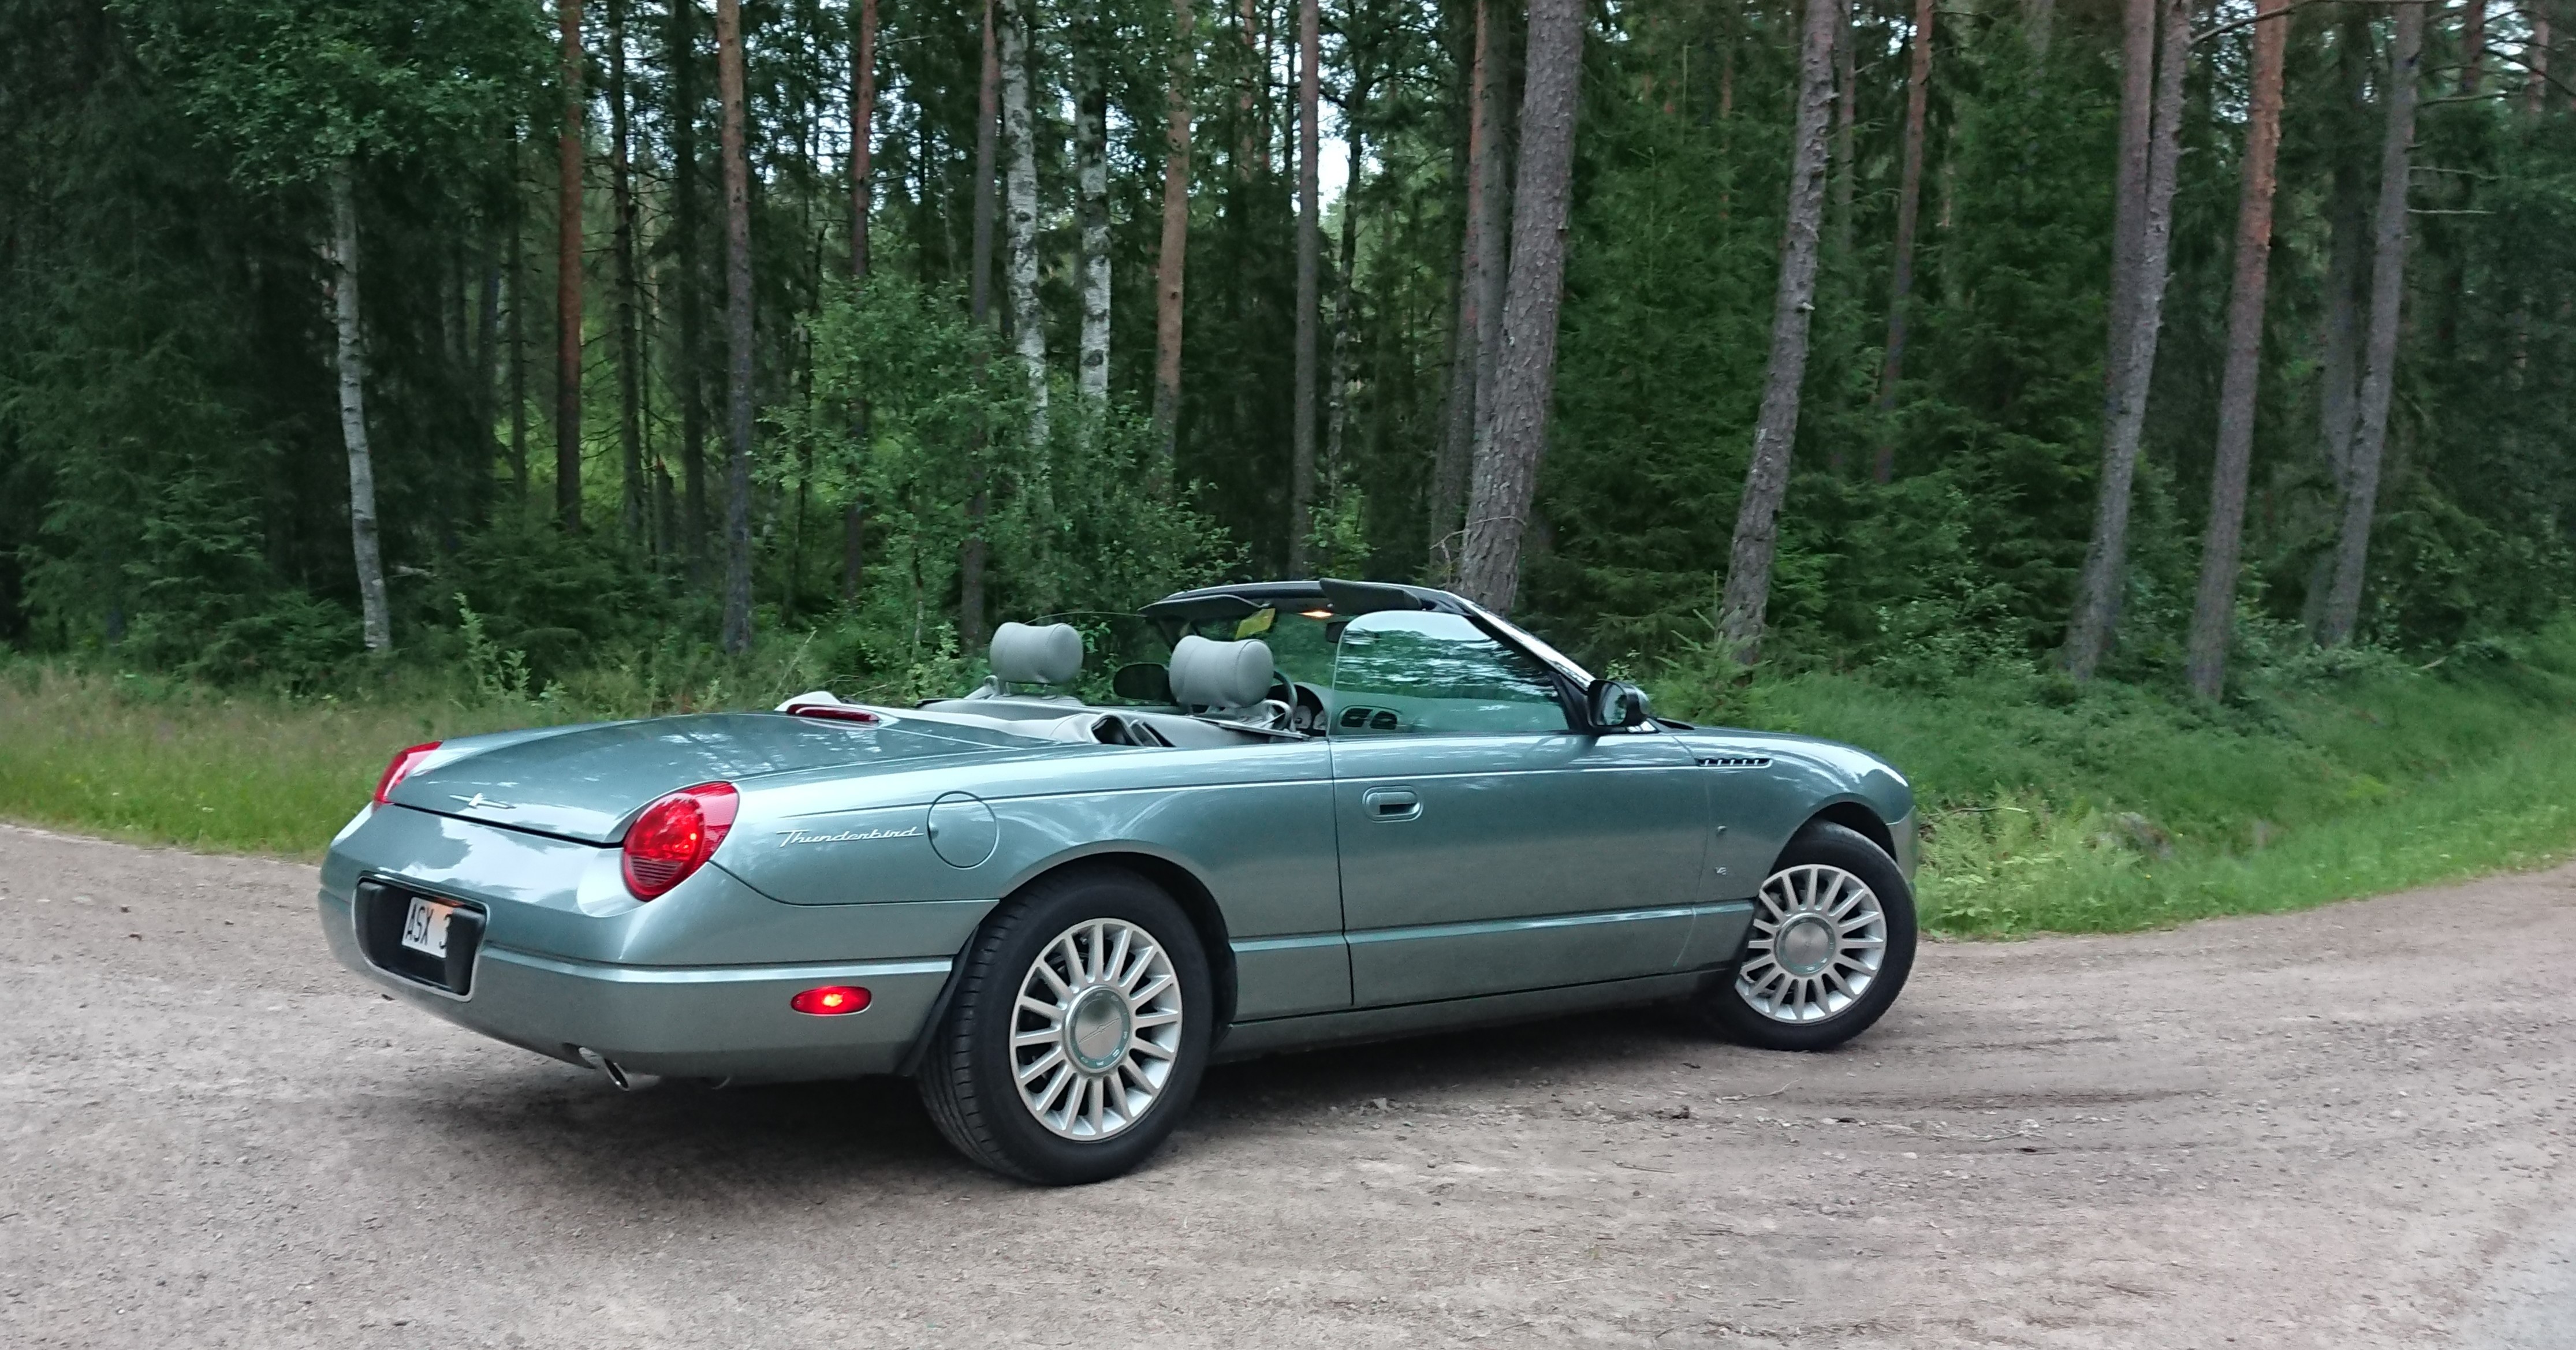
column 786, row 837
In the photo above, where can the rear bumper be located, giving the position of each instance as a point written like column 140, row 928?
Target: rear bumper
column 677, row 1021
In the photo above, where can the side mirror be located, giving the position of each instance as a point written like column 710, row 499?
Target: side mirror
column 1615, row 704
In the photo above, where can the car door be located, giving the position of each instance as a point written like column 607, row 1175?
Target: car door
column 1485, row 845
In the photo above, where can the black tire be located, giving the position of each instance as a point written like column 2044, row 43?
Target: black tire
column 1721, row 1006
column 967, row 1079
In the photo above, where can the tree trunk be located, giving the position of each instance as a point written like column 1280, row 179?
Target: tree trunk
column 568, row 156
column 2097, row 603
column 1310, row 227
column 2379, row 360
column 2347, row 271
column 630, row 413
column 1493, row 243
column 1091, row 182
column 1775, row 430
column 518, row 350
column 863, row 111
column 1171, row 264
column 988, row 125
column 487, row 373
column 1020, row 190
column 2138, row 19
column 687, row 229
column 1506, row 468
column 738, row 335
column 351, row 358
column 1449, row 469
column 2473, row 47
column 972, row 551
column 1345, row 282
column 2214, row 609
column 1846, row 116
column 2535, row 59
column 1909, row 213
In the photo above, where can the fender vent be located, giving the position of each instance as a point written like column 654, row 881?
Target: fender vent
column 1736, row 761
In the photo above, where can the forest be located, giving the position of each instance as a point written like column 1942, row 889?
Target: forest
column 2171, row 354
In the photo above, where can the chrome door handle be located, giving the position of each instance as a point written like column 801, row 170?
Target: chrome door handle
column 1390, row 803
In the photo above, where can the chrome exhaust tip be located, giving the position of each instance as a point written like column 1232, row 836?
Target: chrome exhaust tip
column 616, row 1073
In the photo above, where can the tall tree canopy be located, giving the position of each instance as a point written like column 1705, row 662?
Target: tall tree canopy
column 2059, row 282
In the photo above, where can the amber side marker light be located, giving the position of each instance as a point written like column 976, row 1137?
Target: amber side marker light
column 831, row 1000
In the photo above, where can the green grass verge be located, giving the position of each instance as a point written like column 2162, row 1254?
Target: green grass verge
column 2048, row 806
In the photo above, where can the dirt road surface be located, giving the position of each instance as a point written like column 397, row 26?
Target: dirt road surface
column 2345, row 1128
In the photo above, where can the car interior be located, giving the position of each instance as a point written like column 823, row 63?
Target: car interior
column 1239, row 665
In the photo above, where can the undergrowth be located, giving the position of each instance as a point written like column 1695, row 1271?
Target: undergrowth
column 2046, row 805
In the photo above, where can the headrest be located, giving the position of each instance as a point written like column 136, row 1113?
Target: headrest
column 1022, row 654
column 1209, row 674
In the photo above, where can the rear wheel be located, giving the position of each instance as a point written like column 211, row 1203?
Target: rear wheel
column 1831, row 944
column 1077, row 1034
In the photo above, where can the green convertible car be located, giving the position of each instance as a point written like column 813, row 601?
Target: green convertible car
column 1329, row 811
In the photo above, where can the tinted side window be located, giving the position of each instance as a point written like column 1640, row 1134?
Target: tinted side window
column 1402, row 671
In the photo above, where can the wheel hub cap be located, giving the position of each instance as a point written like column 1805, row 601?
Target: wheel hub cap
column 1819, row 936
column 1096, row 1029
column 1805, row 944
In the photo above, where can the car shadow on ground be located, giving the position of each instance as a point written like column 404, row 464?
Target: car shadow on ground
column 679, row 1142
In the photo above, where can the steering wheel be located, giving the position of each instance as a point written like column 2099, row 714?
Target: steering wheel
column 1302, row 709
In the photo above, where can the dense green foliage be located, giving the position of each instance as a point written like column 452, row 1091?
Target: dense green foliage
column 175, row 555
column 175, row 491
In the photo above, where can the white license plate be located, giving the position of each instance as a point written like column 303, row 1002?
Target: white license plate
column 425, row 927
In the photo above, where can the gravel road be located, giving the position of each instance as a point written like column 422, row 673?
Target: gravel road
column 2345, row 1128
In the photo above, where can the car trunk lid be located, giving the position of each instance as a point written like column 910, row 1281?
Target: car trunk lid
column 587, row 782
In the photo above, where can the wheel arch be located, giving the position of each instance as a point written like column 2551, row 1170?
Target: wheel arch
column 1198, row 904
column 1852, row 814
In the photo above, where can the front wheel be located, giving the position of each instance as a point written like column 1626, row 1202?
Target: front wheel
column 1077, row 1034
column 1831, row 944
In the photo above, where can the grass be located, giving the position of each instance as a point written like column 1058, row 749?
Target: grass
column 2048, row 806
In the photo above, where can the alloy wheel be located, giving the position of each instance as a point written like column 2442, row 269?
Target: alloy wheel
column 1819, row 936
column 1096, row 1029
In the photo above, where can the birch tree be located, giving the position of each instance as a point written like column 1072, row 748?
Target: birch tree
column 1091, row 182
column 1020, row 210
column 1775, row 430
column 317, row 96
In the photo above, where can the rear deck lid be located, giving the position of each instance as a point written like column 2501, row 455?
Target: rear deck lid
column 587, row 782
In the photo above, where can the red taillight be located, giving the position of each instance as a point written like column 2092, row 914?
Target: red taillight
column 404, row 763
column 831, row 712
column 676, row 835
column 831, row 1000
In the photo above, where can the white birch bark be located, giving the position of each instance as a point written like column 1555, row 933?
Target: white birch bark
column 1020, row 214
column 351, row 354
column 1091, row 173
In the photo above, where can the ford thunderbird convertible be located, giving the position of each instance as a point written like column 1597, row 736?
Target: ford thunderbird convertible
column 1324, row 811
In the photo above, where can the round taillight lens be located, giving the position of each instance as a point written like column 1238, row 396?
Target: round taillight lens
column 403, row 763
column 675, row 836
column 831, row 1000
